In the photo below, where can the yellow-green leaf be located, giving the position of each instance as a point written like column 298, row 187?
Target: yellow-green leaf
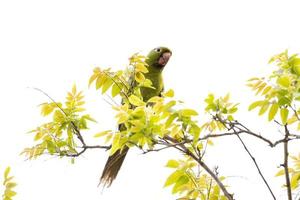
column 103, row 133
column 155, row 99
column 10, row 185
column 9, row 193
column 172, row 164
column 92, row 79
column 170, row 120
column 169, row 93
column 266, row 90
column 99, row 81
column 115, row 143
column 255, row 104
column 273, row 110
column 139, row 77
column 184, row 179
column 295, row 180
column 141, row 68
column 284, row 112
column 292, row 120
column 282, row 172
column 284, row 81
column 134, row 100
column 173, row 178
column 6, row 172
column 188, row 112
column 263, row 108
column 74, row 89
column 106, row 85
column 115, row 90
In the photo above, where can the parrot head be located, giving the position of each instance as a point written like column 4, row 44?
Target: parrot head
column 159, row 57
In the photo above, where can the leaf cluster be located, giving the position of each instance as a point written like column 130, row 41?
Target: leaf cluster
column 9, row 185
column 58, row 136
column 188, row 181
column 280, row 92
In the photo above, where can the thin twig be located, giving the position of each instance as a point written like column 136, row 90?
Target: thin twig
column 257, row 167
column 232, row 126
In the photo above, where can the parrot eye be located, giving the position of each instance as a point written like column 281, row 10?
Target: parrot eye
column 157, row 49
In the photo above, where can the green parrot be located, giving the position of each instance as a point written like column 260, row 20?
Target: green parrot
column 156, row 60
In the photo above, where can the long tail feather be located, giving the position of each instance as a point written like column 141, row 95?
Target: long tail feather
column 112, row 167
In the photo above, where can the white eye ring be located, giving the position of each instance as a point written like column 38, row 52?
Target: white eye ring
column 157, row 49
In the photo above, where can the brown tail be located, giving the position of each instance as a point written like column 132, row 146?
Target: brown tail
column 112, row 167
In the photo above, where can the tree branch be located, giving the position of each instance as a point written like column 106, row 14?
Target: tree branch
column 286, row 162
column 86, row 147
column 186, row 151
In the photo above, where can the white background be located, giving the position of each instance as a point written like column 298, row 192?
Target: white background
column 216, row 45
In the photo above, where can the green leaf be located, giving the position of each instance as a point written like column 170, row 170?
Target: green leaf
column 51, row 147
column 10, row 185
column 46, row 109
column 99, row 81
column 169, row 105
column 139, row 77
column 115, row 143
column 74, row 90
column 184, row 179
column 173, row 178
column 263, row 108
column 115, row 90
column 295, row 180
column 58, row 116
column 296, row 69
column 255, row 104
column 273, row 110
column 103, row 133
column 170, row 120
column 9, row 193
column 195, row 131
column 188, row 112
column 266, row 90
column 282, row 101
column 38, row 135
column 210, row 99
column 6, row 172
column 232, row 110
column 282, row 172
column 172, row 164
column 134, row 100
column 106, row 85
column 141, row 68
column 92, row 79
column 284, row 112
column 154, row 99
column 169, row 93
column 284, row 81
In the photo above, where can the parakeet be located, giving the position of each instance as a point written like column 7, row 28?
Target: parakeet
column 156, row 60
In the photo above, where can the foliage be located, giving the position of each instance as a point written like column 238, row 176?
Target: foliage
column 280, row 91
column 294, row 171
column 9, row 185
column 58, row 137
column 191, row 182
column 164, row 122
column 281, row 96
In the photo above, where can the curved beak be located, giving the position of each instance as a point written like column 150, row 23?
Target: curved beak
column 164, row 58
